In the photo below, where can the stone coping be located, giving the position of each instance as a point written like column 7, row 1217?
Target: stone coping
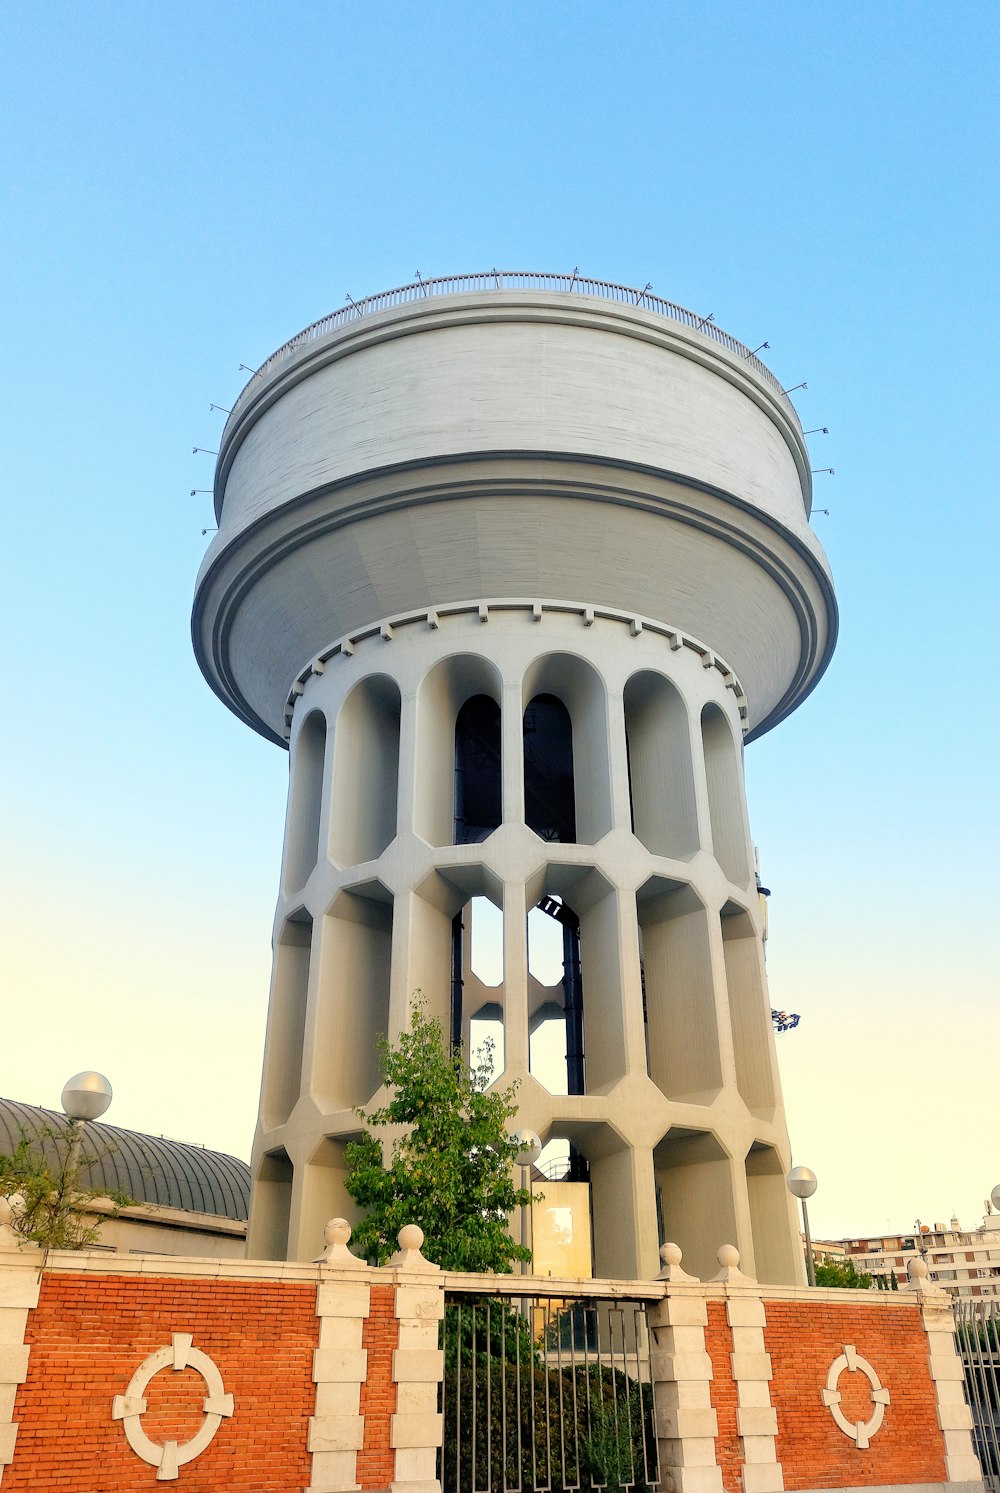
column 99, row 1262
column 958, row 1487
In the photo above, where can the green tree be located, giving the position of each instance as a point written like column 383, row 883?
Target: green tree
column 842, row 1273
column 451, row 1169
column 47, row 1207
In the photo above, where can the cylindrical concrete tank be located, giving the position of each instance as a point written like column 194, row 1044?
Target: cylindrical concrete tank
column 514, row 564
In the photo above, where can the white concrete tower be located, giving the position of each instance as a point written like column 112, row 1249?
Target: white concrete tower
column 513, row 564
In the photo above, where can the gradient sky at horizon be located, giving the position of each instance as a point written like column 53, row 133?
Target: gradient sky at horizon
column 187, row 186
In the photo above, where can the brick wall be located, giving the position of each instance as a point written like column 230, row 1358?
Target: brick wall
column 90, row 1332
column 354, row 1425
column 803, row 1339
column 376, row 1459
column 719, row 1345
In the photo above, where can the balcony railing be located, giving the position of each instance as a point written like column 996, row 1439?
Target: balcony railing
column 500, row 280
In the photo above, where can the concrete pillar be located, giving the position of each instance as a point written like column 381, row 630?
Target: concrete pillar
column 20, row 1282
column 953, row 1414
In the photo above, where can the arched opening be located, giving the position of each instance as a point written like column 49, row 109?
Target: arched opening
column 308, row 759
column 749, row 1011
column 561, row 1222
column 323, row 1195
column 286, row 1020
column 549, row 793
column 725, row 796
column 478, row 784
column 448, row 747
column 566, row 750
column 271, row 1207
column 774, row 1233
column 678, row 986
column 485, row 958
column 695, row 1197
column 556, row 1033
column 366, row 772
column 477, row 1016
column 352, row 1005
column 661, row 779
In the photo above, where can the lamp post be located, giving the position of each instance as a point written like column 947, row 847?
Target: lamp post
column 802, row 1184
column 530, row 1148
column 85, row 1097
column 995, row 1197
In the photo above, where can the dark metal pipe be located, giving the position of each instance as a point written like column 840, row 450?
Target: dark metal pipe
column 573, row 1006
column 457, row 983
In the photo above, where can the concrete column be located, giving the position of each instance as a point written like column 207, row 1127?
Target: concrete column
column 19, row 1287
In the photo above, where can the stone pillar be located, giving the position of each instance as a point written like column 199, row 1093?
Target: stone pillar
column 418, row 1367
column 953, row 1414
column 681, row 1371
column 756, row 1418
column 19, row 1287
column 340, row 1366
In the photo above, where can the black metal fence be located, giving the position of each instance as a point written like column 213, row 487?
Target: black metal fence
column 978, row 1324
column 546, row 1395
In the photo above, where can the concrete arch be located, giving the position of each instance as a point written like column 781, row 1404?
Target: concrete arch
column 723, row 774
column 365, row 771
column 581, row 690
column 443, row 691
column 305, row 805
column 661, row 775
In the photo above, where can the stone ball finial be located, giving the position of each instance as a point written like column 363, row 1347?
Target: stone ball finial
column 335, row 1236
column 410, row 1236
column 408, row 1256
column 670, row 1264
column 337, row 1231
column 917, row 1269
column 729, row 1259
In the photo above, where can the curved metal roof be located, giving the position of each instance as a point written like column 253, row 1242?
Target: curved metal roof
column 149, row 1168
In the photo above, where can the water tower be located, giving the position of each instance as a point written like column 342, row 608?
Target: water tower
column 513, row 565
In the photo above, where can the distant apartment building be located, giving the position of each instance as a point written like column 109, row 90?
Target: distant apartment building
column 963, row 1262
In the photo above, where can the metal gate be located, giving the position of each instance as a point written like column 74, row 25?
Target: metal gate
column 546, row 1395
column 978, row 1324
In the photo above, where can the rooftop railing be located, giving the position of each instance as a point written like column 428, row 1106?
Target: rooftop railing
column 499, row 280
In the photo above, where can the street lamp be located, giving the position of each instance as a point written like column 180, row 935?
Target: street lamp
column 529, row 1150
column 995, row 1197
column 802, row 1184
column 85, row 1097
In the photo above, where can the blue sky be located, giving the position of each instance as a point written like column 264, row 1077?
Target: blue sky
column 188, row 185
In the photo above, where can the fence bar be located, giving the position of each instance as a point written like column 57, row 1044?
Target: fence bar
column 978, row 1324
column 572, row 1376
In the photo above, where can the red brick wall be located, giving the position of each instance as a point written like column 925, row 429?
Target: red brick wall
column 803, row 1339
column 719, row 1344
column 376, row 1459
column 88, row 1335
